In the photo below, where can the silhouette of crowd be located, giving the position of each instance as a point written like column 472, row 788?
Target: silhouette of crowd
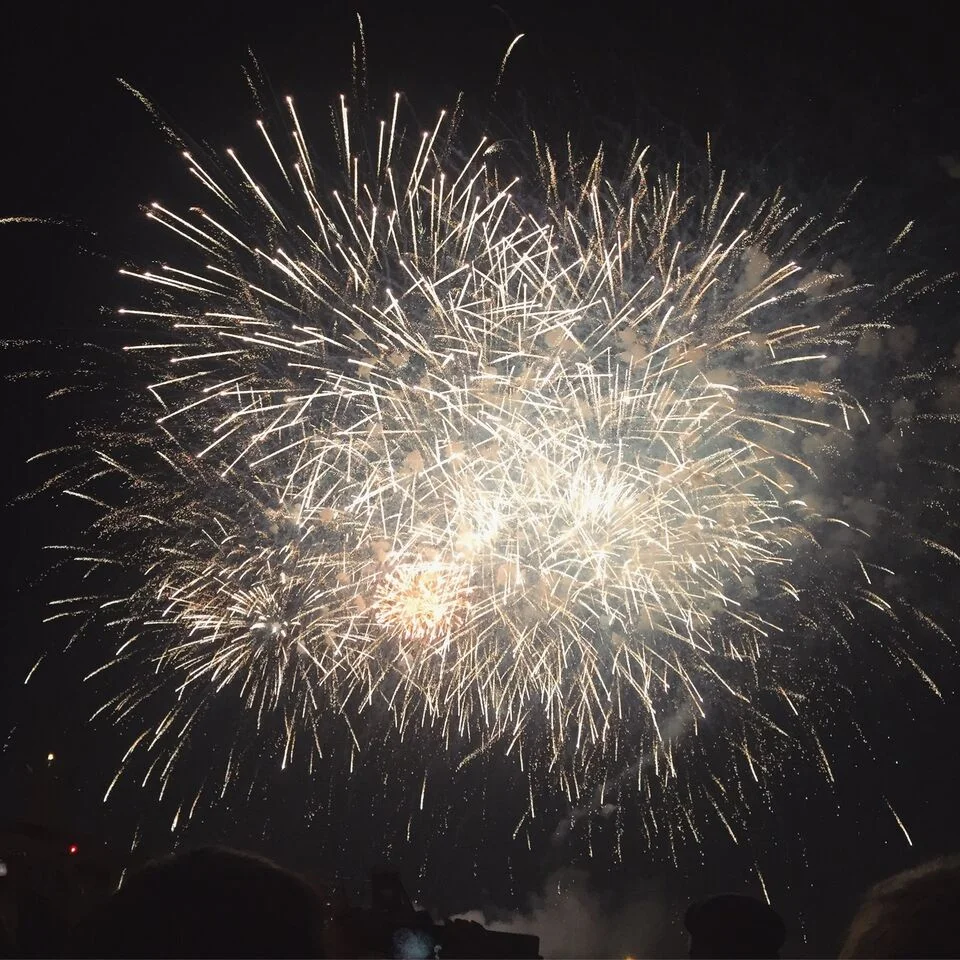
column 910, row 915
column 207, row 903
column 215, row 902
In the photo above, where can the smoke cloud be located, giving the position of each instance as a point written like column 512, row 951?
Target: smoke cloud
column 573, row 920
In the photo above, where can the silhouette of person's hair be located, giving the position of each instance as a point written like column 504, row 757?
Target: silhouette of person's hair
column 734, row 925
column 912, row 914
column 210, row 902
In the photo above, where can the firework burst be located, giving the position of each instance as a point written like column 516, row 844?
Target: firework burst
column 525, row 461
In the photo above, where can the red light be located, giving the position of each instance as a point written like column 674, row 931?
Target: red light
column 72, row 848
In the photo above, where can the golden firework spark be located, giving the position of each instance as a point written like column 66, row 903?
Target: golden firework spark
column 521, row 461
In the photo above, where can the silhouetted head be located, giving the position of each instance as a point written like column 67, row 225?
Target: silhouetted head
column 734, row 925
column 913, row 914
column 207, row 903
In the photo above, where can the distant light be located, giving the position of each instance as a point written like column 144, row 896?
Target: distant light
column 72, row 848
column 3, row 869
column 50, row 758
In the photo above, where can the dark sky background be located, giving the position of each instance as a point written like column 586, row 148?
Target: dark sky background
column 813, row 98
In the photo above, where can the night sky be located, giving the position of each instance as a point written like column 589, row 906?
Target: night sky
column 814, row 99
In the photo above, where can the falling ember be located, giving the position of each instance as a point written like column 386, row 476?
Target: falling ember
column 896, row 817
